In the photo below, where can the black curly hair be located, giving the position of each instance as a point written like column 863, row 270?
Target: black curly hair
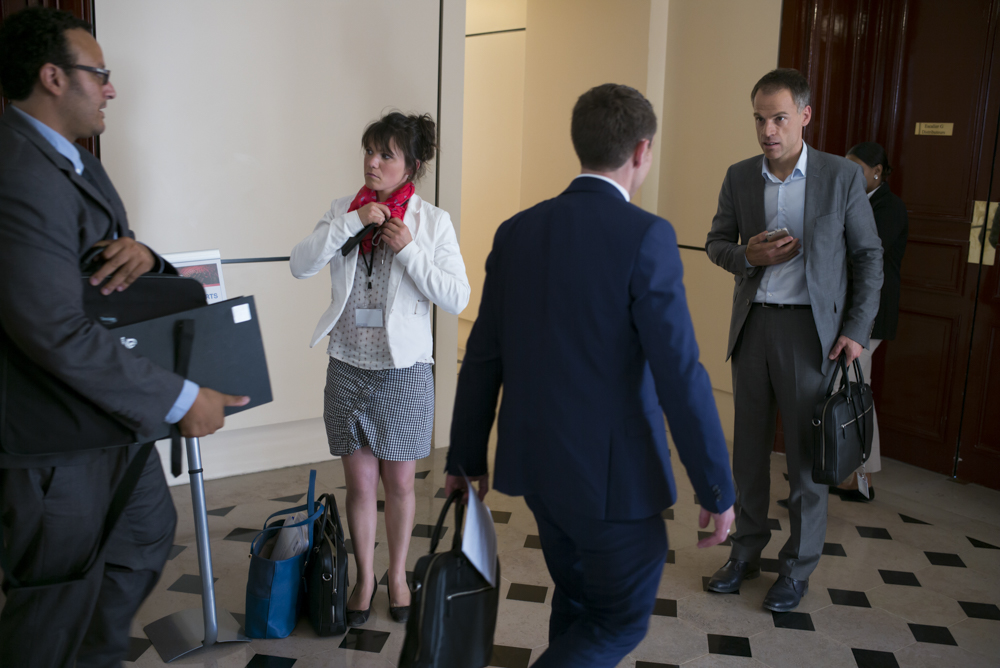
column 415, row 137
column 29, row 39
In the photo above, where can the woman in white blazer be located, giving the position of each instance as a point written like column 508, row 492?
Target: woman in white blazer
column 401, row 256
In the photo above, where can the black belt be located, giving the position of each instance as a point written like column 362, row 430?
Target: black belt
column 790, row 307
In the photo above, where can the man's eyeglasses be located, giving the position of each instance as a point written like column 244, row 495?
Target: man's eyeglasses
column 101, row 72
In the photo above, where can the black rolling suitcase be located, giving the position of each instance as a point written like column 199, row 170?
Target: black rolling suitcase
column 326, row 572
column 454, row 608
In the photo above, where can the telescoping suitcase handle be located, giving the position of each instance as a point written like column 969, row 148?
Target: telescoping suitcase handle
column 456, row 542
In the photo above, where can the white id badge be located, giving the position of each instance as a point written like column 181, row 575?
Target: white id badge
column 368, row 317
column 863, row 484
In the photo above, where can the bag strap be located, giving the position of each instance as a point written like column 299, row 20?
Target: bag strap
column 332, row 513
column 183, row 343
column 115, row 509
column 456, row 495
column 313, row 512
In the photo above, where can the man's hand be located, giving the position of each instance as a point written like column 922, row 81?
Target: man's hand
column 396, row 234
column 722, row 520
column 374, row 212
column 852, row 348
column 206, row 415
column 762, row 253
column 453, row 482
column 126, row 259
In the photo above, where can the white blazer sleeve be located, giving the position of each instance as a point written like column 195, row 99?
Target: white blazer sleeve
column 330, row 234
column 440, row 278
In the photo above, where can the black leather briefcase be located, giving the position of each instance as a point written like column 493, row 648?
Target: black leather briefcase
column 326, row 572
column 843, row 427
column 454, row 608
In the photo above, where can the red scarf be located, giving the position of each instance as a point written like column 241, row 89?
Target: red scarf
column 397, row 206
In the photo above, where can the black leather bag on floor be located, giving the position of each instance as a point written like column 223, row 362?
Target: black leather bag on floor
column 454, row 608
column 843, row 427
column 326, row 573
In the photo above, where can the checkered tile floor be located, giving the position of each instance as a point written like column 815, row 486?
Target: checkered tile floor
column 911, row 579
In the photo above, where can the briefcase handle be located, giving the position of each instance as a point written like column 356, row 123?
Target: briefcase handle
column 456, row 542
column 857, row 406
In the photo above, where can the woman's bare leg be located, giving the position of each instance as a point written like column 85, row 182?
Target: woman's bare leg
column 361, row 470
column 400, row 505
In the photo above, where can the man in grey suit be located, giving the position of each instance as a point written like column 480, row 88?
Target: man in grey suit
column 793, row 315
column 67, row 602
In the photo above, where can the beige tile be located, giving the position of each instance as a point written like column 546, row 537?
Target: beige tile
column 786, row 648
column 863, row 628
column 979, row 636
column 845, row 573
column 727, row 614
column 527, row 566
column 961, row 584
column 522, row 624
column 670, row 640
column 927, row 655
column 723, row 661
column 917, row 605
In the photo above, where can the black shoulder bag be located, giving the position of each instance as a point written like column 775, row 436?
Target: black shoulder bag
column 843, row 427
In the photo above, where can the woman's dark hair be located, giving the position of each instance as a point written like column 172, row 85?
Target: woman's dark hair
column 414, row 136
column 29, row 39
column 872, row 154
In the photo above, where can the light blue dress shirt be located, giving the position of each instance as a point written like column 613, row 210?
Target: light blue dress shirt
column 72, row 153
column 784, row 206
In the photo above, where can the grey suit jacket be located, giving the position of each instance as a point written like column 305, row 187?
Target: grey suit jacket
column 838, row 226
column 49, row 217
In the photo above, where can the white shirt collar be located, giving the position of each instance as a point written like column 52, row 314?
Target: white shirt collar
column 611, row 181
column 798, row 172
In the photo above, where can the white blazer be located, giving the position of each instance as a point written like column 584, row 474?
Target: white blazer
column 429, row 269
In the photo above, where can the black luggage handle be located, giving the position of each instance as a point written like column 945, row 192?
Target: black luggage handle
column 857, row 407
column 456, row 542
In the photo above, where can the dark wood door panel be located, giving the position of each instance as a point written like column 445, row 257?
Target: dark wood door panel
column 934, row 264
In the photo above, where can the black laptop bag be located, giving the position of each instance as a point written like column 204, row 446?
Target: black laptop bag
column 454, row 608
column 326, row 572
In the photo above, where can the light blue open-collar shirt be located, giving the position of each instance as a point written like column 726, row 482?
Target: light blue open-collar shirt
column 784, row 206
column 72, row 153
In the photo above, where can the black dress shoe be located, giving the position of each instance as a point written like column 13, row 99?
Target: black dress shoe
column 400, row 613
column 729, row 578
column 359, row 617
column 785, row 594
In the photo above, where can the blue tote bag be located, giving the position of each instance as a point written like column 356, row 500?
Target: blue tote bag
column 274, row 587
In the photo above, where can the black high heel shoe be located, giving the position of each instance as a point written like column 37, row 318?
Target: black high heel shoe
column 359, row 617
column 399, row 613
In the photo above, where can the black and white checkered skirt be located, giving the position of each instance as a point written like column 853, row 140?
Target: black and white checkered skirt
column 389, row 410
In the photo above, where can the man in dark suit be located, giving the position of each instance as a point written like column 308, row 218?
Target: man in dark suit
column 792, row 317
column 584, row 322
column 68, row 603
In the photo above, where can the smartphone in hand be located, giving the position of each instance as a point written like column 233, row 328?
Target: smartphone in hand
column 774, row 235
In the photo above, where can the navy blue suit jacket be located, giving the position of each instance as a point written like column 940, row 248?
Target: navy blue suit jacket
column 585, row 324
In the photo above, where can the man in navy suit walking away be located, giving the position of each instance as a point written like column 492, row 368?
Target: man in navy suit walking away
column 584, row 322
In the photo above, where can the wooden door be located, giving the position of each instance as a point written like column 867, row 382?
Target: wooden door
column 82, row 9
column 878, row 68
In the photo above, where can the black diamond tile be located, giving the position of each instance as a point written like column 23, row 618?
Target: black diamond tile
column 136, row 648
column 870, row 658
column 799, row 621
column 874, row 532
column 980, row 610
column 834, row 550
column 899, row 578
column 529, row 593
column 533, row 542
column 979, row 543
column 667, row 514
column 769, row 565
column 175, row 550
column 380, row 506
column 773, row 524
column 665, row 607
column 220, row 512
column 240, row 618
column 908, row 520
column 420, row 475
column 784, row 474
column 731, row 645
column 409, row 579
column 650, row 664
column 441, row 494
column 350, row 546
column 939, row 635
column 342, row 487
column 294, row 498
column 364, row 640
column 242, row 534
column 706, row 534
column 188, row 584
column 704, row 586
column 848, row 597
column 671, row 557
column 426, row 531
column 500, row 516
column 510, row 657
column 696, row 500
column 945, row 559
column 268, row 661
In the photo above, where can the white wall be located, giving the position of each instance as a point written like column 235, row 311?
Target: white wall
column 237, row 123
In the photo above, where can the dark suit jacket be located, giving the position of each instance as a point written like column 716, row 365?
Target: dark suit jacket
column 49, row 217
column 838, row 226
column 584, row 322
column 893, row 229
